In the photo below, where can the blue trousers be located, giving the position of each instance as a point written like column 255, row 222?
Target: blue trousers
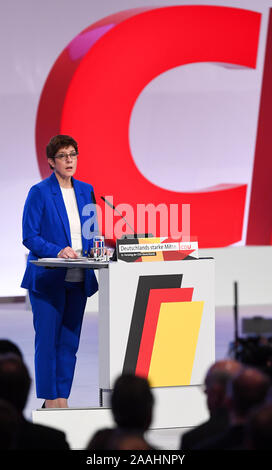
column 57, row 322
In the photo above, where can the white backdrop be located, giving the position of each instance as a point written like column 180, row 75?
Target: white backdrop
column 33, row 33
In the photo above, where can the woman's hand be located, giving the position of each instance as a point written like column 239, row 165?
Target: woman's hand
column 67, row 252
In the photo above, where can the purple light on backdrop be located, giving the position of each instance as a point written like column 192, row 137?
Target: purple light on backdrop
column 80, row 45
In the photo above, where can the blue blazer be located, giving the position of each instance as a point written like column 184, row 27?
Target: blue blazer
column 46, row 231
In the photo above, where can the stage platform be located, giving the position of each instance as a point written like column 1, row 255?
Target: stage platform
column 16, row 325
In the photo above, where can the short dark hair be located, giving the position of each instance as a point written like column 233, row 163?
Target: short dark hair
column 132, row 402
column 15, row 381
column 7, row 346
column 57, row 142
column 249, row 389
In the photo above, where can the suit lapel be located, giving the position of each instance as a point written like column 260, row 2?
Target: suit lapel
column 59, row 202
column 80, row 204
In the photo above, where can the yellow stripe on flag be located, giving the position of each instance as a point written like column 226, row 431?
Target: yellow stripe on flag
column 175, row 343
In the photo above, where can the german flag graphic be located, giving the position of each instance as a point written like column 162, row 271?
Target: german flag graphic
column 164, row 331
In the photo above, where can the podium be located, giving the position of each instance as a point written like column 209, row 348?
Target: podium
column 157, row 320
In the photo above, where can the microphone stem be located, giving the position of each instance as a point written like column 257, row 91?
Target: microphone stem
column 116, row 210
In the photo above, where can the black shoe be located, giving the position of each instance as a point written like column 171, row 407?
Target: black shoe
column 43, row 405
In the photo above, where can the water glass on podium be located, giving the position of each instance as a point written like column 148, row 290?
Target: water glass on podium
column 98, row 250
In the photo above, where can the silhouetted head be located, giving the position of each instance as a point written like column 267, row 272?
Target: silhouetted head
column 247, row 390
column 132, row 402
column 216, row 381
column 7, row 346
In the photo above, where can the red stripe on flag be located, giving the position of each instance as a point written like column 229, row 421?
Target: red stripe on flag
column 156, row 298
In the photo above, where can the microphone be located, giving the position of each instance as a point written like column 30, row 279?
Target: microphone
column 116, row 210
column 135, row 235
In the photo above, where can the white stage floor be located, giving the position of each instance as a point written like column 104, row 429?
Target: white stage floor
column 16, row 325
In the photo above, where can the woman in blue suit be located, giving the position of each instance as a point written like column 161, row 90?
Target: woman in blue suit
column 52, row 227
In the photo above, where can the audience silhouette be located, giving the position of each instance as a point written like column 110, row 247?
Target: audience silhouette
column 14, row 388
column 9, row 423
column 132, row 409
column 7, row 346
column 238, row 401
column 216, row 381
column 247, row 390
column 258, row 431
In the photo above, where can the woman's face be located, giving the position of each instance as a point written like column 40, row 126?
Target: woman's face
column 64, row 163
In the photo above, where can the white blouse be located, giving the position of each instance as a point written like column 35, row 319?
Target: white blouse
column 69, row 197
